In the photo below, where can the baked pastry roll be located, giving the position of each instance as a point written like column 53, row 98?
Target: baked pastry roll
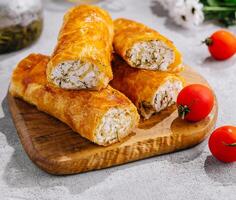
column 103, row 117
column 82, row 57
column 150, row 91
column 145, row 48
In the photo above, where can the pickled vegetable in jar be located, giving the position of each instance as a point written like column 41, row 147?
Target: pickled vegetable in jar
column 21, row 23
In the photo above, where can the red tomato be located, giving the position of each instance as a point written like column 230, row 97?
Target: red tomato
column 222, row 44
column 195, row 102
column 222, row 143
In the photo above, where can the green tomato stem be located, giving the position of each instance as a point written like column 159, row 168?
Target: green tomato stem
column 183, row 111
column 208, row 41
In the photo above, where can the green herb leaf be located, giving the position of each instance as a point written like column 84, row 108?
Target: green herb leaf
column 224, row 11
column 213, row 2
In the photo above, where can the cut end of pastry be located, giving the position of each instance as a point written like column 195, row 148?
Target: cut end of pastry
column 116, row 124
column 78, row 75
column 164, row 97
column 152, row 55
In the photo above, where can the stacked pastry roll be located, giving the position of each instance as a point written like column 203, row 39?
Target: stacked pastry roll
column 145, row 48
column 103, row 117
column 82, row 56
column 72, row 84
column 146, row 68
column 150, row 91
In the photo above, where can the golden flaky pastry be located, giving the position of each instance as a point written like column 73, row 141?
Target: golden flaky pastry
column 82, row 55
column 143, row 47
column 104, row 117
column 150, row 91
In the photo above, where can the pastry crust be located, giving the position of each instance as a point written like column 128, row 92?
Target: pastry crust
column 142, row 87
column 82, row 110
column 129, row 34
column 85, row 39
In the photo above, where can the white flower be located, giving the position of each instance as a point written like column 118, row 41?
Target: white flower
column 187, row 13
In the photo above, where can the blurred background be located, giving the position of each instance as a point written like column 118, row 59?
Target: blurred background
column 21, row 21
column 31, row 26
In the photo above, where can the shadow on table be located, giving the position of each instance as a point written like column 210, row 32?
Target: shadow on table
column 22, row 173
column 210, row 62
column 223, row 173
column 9, row 55
column 158, row 10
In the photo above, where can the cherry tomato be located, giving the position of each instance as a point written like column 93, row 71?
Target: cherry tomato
column 222, row 143
column 221, row 44
column 195, row 102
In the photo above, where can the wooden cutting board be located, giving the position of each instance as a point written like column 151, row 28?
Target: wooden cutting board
column 55, row 148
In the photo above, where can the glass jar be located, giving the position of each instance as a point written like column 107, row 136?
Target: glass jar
column 21, row 23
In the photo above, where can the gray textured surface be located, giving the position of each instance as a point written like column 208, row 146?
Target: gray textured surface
column 191, row 174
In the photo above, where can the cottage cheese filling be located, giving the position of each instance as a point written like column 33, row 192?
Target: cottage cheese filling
column 115, row 123
column 154, row 55
column 77, row 75
column 165, row 96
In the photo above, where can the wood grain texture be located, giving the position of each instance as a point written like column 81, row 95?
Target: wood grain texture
column 55, row 148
